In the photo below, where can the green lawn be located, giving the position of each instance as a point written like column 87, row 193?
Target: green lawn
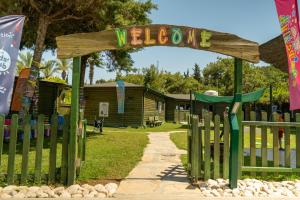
column 109, row 156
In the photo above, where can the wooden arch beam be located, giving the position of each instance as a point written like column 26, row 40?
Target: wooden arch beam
column 80, row 44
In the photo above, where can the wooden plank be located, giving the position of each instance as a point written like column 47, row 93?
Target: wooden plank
column 76, row 45
column 207, row 146
column 287, row 142
column 226, row 149
column 72, row 152
column 253, row 142
column 26, row 147
column 241, row 142
column 84, row 140
column 64, row 153
column 275, row 143
column 217, row 147
column 39, row 149
column 200, row 160
column 195, row 152
column 271, row 124
column 297, row 142
column 2, row 120
column 53, row 148
column 12, row 149
column 270, row 169
column 264, row 142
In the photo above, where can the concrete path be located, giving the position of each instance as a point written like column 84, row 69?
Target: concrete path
column 159, row 172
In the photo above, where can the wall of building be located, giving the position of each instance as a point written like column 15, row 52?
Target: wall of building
column 150, row 106
column 133, row 106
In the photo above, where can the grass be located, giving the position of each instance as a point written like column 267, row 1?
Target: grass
column 109, row 156
column 180, row 140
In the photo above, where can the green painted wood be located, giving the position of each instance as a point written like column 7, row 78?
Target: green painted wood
column 53, row 148
column 39, row 149
column 200, row 152
column 2, row 119
column 207, row 146
column 195, row 156
column 12, row 149
column 287, row 142
column 264, row 142
column 25, row 150
column 72, row 152
column 270, row 169
column 235, row 135
column 275, row 142
column 64, row 154
column 84, row 140
column 226, row 149
column 217, row 147
column 271, row 124
column 241, row 143
column 298, row 141
column 252, row 142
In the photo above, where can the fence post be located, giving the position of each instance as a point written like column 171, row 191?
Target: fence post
column 226, row 148
column 189, row 149
column 74, row 121
column 53, row 148
column 207, row 146
column 84, row 140
column 12, row 149
column 195, row 148
column 26, row 147
column 253, row 142
column 64, row 153
column 264, row 142
column 217, row 147
column 39, row 149
column 287, row 147
column 275, row 142
column 2, row 119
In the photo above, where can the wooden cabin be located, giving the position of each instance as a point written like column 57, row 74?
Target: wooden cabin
column 140, row 104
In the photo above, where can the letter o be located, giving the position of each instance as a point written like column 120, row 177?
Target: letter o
column 176, row 36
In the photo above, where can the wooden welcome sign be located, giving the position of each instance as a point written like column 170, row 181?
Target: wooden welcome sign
column 157, row 35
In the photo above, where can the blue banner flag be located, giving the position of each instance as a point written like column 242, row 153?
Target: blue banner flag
column 10, row 36
column 121, row 96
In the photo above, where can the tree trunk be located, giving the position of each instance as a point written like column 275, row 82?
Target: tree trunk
column 40, row 38
column 91, row 74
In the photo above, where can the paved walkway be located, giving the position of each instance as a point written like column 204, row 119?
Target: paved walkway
column 159, row 172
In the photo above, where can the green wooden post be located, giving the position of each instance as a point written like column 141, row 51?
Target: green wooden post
column 226, row 149
column 298, row 142
column 84, row 140
column 53, row 148
column 217, row 147
column 264, row 142
column 207, row 146
column 253, row 142
column 235, row 146
column 64, row 152
column 287, row 146
column 26, row 147
column 195, row 149
column 12, row 149
column 74, row 121
column 39, row 149
column 275, row 142
column 2, row 119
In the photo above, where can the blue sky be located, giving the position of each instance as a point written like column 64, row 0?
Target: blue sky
column 255, row 20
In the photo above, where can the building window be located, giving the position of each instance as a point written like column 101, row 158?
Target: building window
column 159, row 106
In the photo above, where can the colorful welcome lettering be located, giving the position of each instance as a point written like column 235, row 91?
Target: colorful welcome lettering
column 205, row 39
column 121, row 37
column 176, row 36
column 162, row 35
column 135, row 36
column 148, row 40
column 191, row 39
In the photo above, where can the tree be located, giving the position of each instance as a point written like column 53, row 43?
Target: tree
column 24, row 60
column 153, row 78
column 186, row 74
column 197, row 72
column 48, row 68
column 94, row 60
column 63, row 65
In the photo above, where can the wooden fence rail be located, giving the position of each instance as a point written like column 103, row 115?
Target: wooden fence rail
column 208, row 146
column 31, row 135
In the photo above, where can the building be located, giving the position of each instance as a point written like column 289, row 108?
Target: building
column 140, row 104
